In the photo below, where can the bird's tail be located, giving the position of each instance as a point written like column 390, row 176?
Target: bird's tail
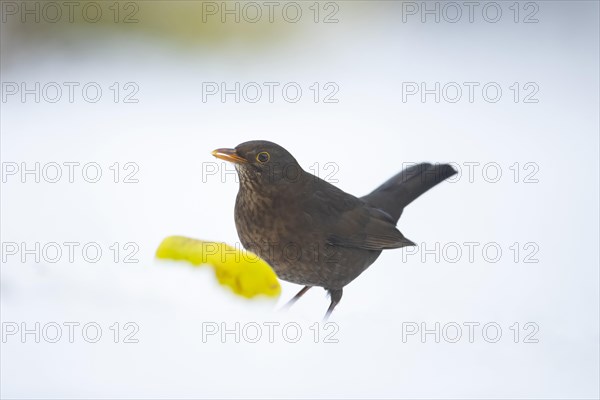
column 400, row 190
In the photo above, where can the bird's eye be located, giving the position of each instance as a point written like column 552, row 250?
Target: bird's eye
column 263, row 157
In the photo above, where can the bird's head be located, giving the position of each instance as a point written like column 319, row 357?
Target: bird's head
column 260, row 161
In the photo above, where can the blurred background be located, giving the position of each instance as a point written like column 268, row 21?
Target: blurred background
column 108, row 116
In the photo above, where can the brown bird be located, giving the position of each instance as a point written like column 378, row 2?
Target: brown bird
column 308, row 230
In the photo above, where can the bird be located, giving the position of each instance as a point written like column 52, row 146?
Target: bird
column 308, row 230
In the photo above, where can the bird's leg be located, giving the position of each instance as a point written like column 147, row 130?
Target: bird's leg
column 295, row 298
column 336, row 296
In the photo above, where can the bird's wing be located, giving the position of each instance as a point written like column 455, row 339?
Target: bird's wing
column 363, row 228
column 350, row 222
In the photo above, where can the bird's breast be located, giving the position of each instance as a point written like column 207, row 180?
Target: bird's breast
column 266, row 223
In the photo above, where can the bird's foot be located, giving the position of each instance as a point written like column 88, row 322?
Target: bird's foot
column 336, row 296
column 295, row 298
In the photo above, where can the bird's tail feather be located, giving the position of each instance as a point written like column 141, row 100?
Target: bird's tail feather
column 400, row 190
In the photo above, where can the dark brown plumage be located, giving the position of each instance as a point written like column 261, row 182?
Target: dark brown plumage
column 308, row 230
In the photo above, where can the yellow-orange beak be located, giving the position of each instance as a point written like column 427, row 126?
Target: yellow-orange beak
column 229, row 155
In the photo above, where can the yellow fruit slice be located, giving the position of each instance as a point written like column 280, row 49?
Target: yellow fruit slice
column 244, row 272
